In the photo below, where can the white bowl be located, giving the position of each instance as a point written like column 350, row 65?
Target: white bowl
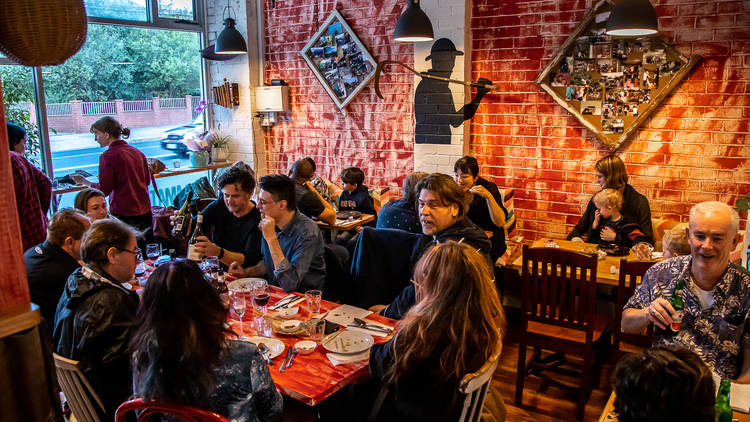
column 291, row 325
column 305, row 347
column 288, row 312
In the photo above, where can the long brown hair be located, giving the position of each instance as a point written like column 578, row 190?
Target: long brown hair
column 613, row 170
column 457, row 310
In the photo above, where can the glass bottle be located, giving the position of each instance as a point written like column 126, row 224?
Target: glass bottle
column 182, row 221
column 723, row 410
column 192, row 253
column 678, row 304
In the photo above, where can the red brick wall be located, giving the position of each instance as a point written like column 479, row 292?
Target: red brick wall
column 694, row 148
column 376, row 135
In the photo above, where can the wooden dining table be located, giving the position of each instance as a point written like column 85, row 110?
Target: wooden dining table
column 607, row 270
column 609, row 415
column 311, row 378
column 344, row 225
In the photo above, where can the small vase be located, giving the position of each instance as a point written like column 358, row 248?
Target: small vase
column 219, row 154
column 199, row 158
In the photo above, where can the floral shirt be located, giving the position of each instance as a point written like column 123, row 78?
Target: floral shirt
column 717, row 334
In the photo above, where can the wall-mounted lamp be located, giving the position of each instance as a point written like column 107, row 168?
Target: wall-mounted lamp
column 230, row 41
column 269, row 100
column 631, row 18
column 413, row 25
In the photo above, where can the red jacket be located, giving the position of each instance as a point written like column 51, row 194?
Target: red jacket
column 124, row 176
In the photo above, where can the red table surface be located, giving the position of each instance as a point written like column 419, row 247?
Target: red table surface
column 312, row 378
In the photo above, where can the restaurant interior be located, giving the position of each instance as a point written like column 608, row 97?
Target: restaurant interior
column 537, row 91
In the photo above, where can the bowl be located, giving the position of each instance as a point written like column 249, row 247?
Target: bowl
column 290, row 326
column 305, row 347
column 287, row 313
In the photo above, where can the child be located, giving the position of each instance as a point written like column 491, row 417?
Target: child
column 675, row 243
column 356, row 196
column 609, row 225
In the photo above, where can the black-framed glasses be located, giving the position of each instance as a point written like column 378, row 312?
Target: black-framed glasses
column 135, row 252
column 263, row 202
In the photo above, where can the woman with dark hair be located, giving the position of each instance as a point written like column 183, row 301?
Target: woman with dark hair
column 124, row 176
column 611, row 173
column 181, row 354
column 486, row 208
column 91, row 202
column 33, row 190
column 456, row 324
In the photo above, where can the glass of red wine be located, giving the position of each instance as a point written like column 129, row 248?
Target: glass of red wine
column 261, row 294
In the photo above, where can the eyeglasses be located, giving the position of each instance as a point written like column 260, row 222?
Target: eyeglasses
column 135, row 252
column 263, row 202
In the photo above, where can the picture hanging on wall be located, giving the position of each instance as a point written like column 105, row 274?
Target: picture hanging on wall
column 339, row 60
column 611, row 85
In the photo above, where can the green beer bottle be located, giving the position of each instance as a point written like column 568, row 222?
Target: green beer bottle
column 678, row 304
column 723, row 410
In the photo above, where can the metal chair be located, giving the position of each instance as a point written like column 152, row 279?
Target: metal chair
column 147, row 409
column 475, row 386
column 631, row 274
column 82, row 399
column 558, row 315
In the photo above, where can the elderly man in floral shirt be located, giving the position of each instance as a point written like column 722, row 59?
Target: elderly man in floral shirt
column 716, row 320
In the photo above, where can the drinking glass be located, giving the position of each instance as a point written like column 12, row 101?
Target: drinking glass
column 313, row 300
column 239, row 306
column 210, row 264
column 261, row 294
column 140, row 267
column 315, row 330
column 153, row 251
column 176, row 163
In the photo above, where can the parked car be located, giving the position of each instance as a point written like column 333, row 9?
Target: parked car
column 172, row 138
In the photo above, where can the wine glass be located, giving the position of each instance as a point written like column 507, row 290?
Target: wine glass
column 239, row 306
column 153, row 250
column 261, row 294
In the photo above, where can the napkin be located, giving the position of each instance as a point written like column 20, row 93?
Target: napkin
column 341, row 359
column 376, row 333
column 289, row 304
column 739, row 395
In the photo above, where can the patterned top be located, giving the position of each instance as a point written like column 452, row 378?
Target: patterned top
column 717, row 334
column 33, row 193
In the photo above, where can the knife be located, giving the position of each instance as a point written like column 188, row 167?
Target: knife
column 284, row 362
column 291, row 358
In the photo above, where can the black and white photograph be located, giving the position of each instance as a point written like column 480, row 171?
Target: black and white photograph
column 656, row 57
column 591, row 108
column 613, row 125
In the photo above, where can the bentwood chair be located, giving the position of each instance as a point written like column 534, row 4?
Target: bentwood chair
column 631, row 274
column 558, row 316
column 183, row 412
column 475, row 387
column 82, row 399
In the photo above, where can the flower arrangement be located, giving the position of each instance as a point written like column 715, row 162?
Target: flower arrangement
column 198, row 141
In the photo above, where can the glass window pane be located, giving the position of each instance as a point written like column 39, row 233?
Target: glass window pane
column 18, row 101
column 133, row 10
column 147, row 79
column 176, row 9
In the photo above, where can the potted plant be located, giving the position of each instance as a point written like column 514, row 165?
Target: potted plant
column 219, row 147
column 199, row 147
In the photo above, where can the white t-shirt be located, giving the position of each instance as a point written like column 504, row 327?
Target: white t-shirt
column 705, row 297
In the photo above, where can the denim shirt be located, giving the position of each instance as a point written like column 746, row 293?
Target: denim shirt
column 303, row 266
column 717, row 334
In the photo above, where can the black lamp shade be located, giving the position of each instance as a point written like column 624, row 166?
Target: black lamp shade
column 632, row 18
column 413, row 25
column 230, row 41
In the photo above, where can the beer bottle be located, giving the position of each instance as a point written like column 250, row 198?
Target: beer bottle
column 192, row 253
column 723, row 410
column 678, row 304
column 182, row 222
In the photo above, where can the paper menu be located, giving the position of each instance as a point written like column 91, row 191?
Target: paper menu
column 739, row 395
column 345, row 314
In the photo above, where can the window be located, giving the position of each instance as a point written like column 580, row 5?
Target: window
column 176, row 9
column 18, row 101
column 131, row 10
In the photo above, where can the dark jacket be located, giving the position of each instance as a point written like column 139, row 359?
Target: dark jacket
column 634, row 205
column 93, row 324
column 358, row 200
column 48, row 268
column 463, row 231
column 479, row 214
column 627, row 232
column 400, row 214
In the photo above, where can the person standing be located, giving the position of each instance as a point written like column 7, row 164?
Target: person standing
column 124, row 176
column 33, row 190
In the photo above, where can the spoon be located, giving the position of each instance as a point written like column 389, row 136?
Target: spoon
column 264, row 351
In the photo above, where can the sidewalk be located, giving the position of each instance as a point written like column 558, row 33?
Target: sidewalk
column 73, row 141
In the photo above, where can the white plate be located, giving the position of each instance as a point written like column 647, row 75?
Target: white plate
column 274, row 345
column 349, row 342
column 242, row 285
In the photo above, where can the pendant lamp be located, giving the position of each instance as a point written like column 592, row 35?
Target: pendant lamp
column 230, row 41
column 413, row 25
column 630, row 18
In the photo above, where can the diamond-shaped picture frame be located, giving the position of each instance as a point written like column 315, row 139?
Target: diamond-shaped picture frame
column 612, row 84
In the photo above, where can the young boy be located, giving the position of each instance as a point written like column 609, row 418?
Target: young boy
column 609, row 225
column 675, row 243
column 356, row 196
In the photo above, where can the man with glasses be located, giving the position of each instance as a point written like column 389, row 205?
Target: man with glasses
column 292, row 246
column 95, row 316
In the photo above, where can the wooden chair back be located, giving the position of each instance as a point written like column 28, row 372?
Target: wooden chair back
column 475, row 386
column 82, row 399
column 631, row 274
column 147, row 409
column 559, row 288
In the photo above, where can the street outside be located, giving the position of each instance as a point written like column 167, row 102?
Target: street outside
column 74, row 151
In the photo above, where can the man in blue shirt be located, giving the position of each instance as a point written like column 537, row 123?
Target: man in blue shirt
column 292, row 245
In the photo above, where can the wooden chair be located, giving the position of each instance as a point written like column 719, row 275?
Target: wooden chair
column 475, row 386
column 558, row 315
column 147, row 409
column 82, row 399
column 631, row 273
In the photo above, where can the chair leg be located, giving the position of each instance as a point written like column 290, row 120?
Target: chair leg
column 520, row 372
column 585, row 391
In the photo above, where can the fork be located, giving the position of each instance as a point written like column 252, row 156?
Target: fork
column 264, row 351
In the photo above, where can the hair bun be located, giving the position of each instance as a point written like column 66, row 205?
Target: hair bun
column 125, row 132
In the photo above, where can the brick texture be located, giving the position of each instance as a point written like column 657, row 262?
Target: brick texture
column 376, row 135
column 695, row 147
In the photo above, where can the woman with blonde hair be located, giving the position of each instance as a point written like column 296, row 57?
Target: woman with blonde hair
column 455, row 326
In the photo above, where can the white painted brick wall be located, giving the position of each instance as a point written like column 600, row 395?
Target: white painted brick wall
column 448, row 21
